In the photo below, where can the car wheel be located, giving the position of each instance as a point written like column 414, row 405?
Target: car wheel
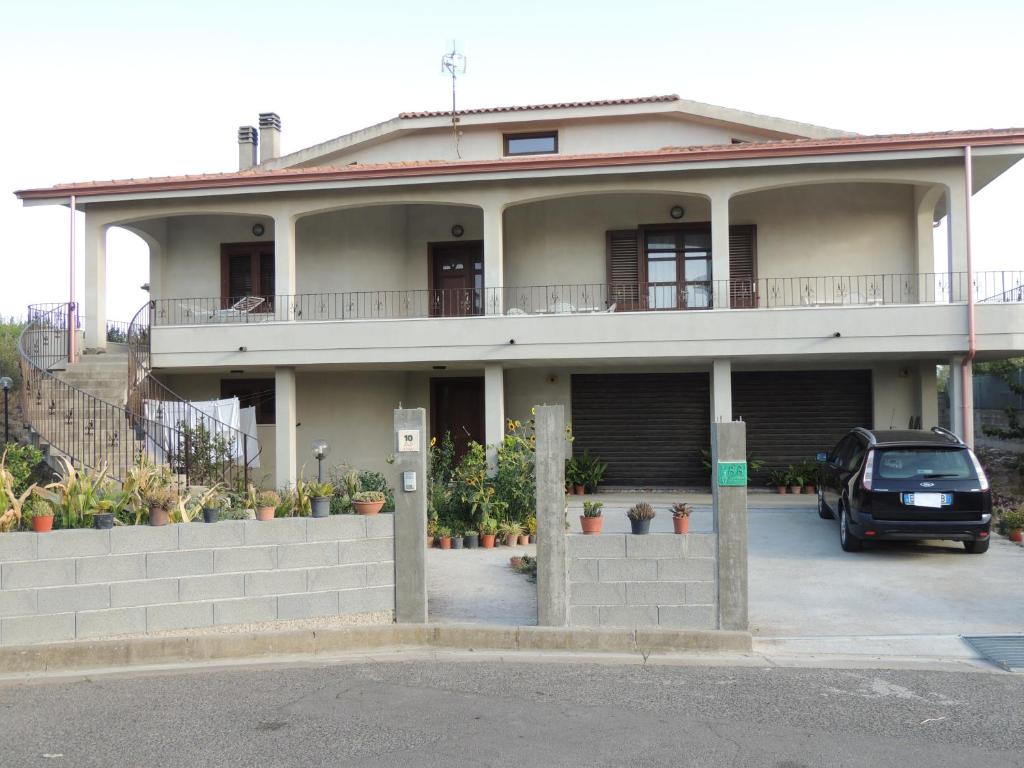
column 976, row 547
column 847, row 540
column 824, row 512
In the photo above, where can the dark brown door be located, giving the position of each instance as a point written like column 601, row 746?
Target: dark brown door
column 457, row 406
column 456, row 279
column 247, row 269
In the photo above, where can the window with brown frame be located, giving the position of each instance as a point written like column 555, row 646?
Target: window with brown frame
column 539, row 143
column 258, row 393
column 247, row 269
column 677, row 267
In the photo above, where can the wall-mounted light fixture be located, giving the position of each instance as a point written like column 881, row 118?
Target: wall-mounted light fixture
column 258, row 229
column 458, row 230
column 677, row 212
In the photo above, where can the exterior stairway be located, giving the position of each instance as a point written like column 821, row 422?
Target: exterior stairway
column 105, row 376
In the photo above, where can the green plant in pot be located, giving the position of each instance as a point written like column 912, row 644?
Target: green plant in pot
column 320, row 495
column 531, row 528
column 371, row 502
column 681, row 512
column 778, row 479
column 457, row 538
column 444, row 534
column 511, row 532
column 640, row 516
column 266, row 505
column 795, row 479
column 213, row 505
column 592, row 519
column 38, row 512
column 488, row 530
column 574, row 476
column 77, row 497
column 591, row 471
column 1013, row 519
column 160, row 501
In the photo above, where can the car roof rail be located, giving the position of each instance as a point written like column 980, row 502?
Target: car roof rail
column 868, row 434
column 948, row 435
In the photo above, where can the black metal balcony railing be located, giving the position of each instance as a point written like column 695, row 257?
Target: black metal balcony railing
column 763, row 293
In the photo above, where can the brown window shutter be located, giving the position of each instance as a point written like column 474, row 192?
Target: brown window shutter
column 743, row 266
column 623, row 256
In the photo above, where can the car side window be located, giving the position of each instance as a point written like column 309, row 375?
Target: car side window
column 853, row 458
column 841, row 451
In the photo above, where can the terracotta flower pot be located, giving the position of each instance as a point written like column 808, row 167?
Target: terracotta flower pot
column 264, row 513
column 430, row 541
column 1017, row 535
column 681, row 524
column 158, row 516
column 511, row 539
column 591, row 525
column 810, row 489
column 579, row 490
column 370, row 508
column 524, row 540
column 781, row 489
column 41, row 524
column 795, row 488
column 446, row 542
column 516, row 561
column 487, row 540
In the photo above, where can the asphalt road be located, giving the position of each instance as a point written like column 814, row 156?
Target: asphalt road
column 493, row 713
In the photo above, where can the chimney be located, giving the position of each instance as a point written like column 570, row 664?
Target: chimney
column 270, row 136
column 248, row 140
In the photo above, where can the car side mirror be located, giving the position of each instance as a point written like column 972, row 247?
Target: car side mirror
column 822, row 457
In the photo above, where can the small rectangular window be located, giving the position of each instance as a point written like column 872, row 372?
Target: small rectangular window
column 545, row 143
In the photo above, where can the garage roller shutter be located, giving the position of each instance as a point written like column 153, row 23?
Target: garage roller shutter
column 648, row 427
column 791, row 415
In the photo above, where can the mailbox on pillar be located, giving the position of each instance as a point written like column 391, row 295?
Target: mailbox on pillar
column 410, row 516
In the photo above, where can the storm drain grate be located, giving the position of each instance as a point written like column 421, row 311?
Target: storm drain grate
column 1006, row 651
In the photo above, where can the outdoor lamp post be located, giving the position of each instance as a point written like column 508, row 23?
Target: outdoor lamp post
column 320, row 451
column 6, row 383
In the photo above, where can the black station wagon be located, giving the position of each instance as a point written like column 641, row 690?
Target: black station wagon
column 905, row 484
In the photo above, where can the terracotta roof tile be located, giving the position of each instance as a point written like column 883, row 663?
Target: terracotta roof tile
column 557, row 105
column 751, row 150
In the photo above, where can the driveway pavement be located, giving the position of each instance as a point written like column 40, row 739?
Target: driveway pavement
column 801, row 583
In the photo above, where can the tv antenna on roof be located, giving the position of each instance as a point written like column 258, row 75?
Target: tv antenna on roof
column 453, row 63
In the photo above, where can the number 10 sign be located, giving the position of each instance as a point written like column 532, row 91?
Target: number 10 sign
column 408, row 441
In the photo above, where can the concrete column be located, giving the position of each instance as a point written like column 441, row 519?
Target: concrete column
column 720, row 248
column 955, row 391
column 721, row 390
column 411, row 522
column 284, row 264
column 928, row 395
column 925, row 200
column 729, row 443
column 967, row 403
column 95, row 299
column 286, row 417
column 957, row 235
column 552, row 566
column 494, row 258
column 494, row 412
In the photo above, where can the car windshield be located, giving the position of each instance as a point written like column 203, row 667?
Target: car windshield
column 908, row 463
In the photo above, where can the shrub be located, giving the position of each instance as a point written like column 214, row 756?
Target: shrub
column 592, row 508
column 369, row 496
column 320, row 490
column 641, row 511
column 22, row 462
column 268, row 499
column 1013, row 518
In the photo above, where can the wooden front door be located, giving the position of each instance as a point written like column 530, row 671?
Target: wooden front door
column 457, row 406
column 456, row 278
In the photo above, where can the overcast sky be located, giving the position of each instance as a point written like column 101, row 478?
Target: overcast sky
column 103, row 89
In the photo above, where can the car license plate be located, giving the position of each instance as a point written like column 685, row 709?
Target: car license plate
column 932, row 500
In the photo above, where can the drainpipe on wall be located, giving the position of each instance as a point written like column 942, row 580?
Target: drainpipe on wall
column 967, row 369
column 72, row 314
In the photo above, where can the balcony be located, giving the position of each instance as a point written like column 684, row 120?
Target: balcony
column 854, row 314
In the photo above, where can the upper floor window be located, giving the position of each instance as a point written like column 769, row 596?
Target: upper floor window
column 543, row 143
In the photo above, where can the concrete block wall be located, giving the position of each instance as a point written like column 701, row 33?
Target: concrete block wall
column 77, row 584
column 655, row 580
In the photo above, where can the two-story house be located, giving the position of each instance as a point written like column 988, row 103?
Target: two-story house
column 654, row 264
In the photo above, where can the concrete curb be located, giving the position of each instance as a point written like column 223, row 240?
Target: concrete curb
column 146, row 651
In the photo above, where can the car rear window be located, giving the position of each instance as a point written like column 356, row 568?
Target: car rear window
column 910, row 463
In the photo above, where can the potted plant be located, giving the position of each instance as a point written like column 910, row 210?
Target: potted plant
column 266, row 505
column 640, row 516
column 795, row 480
column 488, row 530
column 779, row 479
column 510, row 531
column 431, row 532
column 524, row 537
column 574, row 476
column 212, row 506
column 40, row 512
column 444, row 536
column 370, row 502
column 681, row 517
column 591, row 521
column 160, row 500
column 531, row 528
column 1013, row 519
column 811, row 472
column 471, row 539
column 591, row 471
column 320, row 495
column 458, row 538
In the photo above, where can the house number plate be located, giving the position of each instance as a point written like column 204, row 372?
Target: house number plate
column 408, row 441
column 732, row 473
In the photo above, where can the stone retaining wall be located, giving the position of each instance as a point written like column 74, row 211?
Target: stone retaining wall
column 622, row 580
column 67, row 585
